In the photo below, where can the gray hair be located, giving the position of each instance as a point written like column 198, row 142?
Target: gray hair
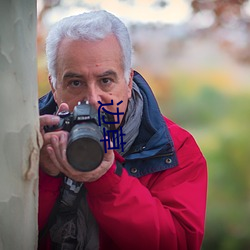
column 89, row 26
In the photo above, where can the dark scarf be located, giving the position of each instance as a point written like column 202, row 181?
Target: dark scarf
column 132, row 119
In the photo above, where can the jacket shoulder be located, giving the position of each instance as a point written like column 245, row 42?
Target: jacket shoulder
column 47, row 104
column 181, row 137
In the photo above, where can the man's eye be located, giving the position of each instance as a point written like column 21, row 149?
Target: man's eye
column 106, row 80
column 75, row 84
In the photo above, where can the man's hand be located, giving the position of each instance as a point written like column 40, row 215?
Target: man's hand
column 58, row 157
column 45, row 160
column 53, row 158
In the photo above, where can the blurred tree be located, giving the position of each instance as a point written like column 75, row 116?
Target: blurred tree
column 230, row 18
column 20, row 130
column 223, row 10
column 42, row 7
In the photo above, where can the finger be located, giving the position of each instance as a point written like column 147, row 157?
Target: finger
column 63, row 107
column 56, row 147
column 47, row 136
column 46, row 164
column 60, row 162
column 63, row 140
column 59, row 144
column 53, row 158
column 48, row 120
column 109, row 146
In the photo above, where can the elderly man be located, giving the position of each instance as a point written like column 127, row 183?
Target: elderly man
column 148, row 194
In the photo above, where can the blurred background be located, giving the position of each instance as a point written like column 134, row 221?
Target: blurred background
column 195, row 54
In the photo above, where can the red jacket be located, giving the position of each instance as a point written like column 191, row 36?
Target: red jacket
column 159, row 211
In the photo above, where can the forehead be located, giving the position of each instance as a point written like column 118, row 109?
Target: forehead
column 107, row 47
column 83, row 57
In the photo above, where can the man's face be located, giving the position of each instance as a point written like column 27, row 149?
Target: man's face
column 91, row 71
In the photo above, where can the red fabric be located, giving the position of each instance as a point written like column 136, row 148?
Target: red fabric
column 49, row 189
column 160, row 211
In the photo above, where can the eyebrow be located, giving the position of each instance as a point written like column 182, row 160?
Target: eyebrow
column 72, row 75
column 104, row 74
column 108, row 73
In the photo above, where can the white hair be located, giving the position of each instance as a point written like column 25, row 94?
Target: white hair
column 89, row 26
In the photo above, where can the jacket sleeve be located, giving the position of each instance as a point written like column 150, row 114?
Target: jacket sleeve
column 165, row 210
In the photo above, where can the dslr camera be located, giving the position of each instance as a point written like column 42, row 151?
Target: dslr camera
column 84, row 151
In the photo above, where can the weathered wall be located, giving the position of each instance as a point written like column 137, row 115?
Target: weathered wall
column 19, row 126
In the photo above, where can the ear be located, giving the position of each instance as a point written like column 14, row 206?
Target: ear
column 130, row 83
column 52, row 88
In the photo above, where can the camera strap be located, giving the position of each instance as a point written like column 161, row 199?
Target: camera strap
column 67, row 202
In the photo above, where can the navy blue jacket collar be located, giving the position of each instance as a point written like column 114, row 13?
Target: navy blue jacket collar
column 153, row 149
column 47, row 104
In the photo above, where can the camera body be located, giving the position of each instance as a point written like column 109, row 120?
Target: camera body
column 84, row 150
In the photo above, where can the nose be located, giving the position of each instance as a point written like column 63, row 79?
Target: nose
column 93, row 96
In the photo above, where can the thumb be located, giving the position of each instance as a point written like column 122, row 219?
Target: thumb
column 108, row 146
column 63, row 107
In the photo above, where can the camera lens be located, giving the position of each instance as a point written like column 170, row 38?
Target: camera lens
column 84, row 150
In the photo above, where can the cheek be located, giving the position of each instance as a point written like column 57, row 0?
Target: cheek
column 57, row 96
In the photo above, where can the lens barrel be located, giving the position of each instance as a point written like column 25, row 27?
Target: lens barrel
column 85, row 152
